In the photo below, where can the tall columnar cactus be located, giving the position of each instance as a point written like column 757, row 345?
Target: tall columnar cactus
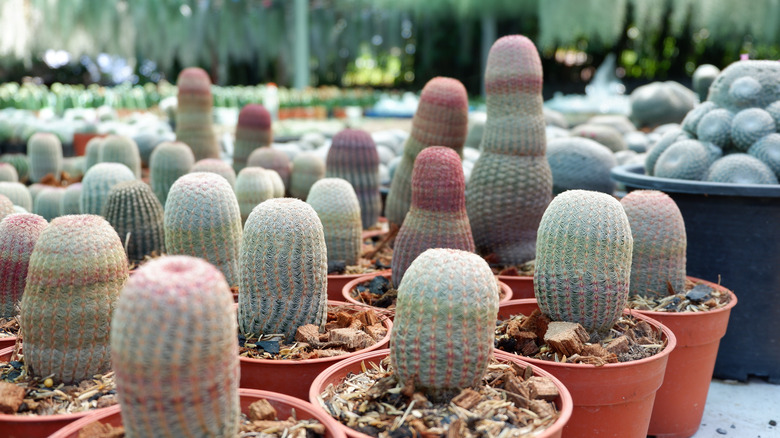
column 202, row 219
column 283, row 282
column 441, row 119
column 17, row 193
column 47, row 203
column 8, row 173
column 20, row 162
column 167, row 387
column 445, row 316
column 307, row 168
column 92, row 152
column 658, row 229
column 252, row 131
column 98, row 181
column 18, row 234
column 353, row 156
column 75, row 274
column 169, row 161
column 338, row 208
column 215, row 165
column 253, row 186
column 272, row 159
column 121, row 149
column 511, row 182
column 6, row 207
column 69, row 204
column 193, row 115
column 437, row 217
column 137, row 216
column 583, row 260
column 45, row 152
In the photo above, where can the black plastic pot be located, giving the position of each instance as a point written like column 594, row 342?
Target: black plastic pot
column 733, row 235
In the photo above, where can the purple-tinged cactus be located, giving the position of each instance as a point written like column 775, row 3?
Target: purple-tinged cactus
column 169, row 161
column 215, row 165
column 45, row 152
column 193, row 115
column 137, row 216
column 18, row 234
column 253, row 131
column 353, row 156
column 272, row 159
column 338, row 208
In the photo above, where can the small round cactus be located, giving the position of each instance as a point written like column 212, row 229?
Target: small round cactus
column 74, row 167
column 174, row 351
column 18, row 234
column 169, row 161
column 715, row 127
column 8, row 173
column 76, row 270
column 69, row 204
column 47, row 203
column 580, row 163
column 740, row 169
column 767, row 149
column 272, row 159
column 691, row 121
column 253, row 186
column 749, row 125
column 45, row 152
column 193, row 115
column 603, row 134
column 215, row 165
column 702, row 78
column 253, row 131
column 137, row 216
column 687, row 159
column 98, row 181
column 17, row 193
column 121, row 149
column 353, row 156
column 669, row 138
column 338, row 208
column 307, row 168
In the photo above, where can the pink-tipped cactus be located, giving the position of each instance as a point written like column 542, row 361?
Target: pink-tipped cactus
column 353, row 156
column 175, row 351
column 252, row 131
column 193, row 115
column 437, row 217
column 18, row 234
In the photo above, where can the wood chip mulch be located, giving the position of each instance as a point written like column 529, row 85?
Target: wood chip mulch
column 369, row 262
column 697, row 297
column 9, row 327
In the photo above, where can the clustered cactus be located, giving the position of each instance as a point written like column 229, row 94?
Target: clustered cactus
column 121, row 149
column 740, row 168
column 137, row 216
column 253, row 131
column 45, row 152
column 338, row 208
column 307, row 168
column 177, row 370
column 18, row 234
column 445, row 317
column 583, row 260
column 437, row 217
column 169, row 161
column 283, row 282
column 193, row 115
column 253, row 186
column 511, row 182
column 215, row 165
column 353, row 156
column 98, row 181
column 76, row 270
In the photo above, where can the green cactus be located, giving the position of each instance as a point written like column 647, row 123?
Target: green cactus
column 45, row 152
column 283, row 282
column 338, row 208
column 6, row 207
column 69, row 204
column 215, row 165
column 602, row 134
column 253, row 131
column 8, row 173
column 92, row 152
column 666, row 140
column 276, row 183
column 437, row 217
column 749, row 125
column 20, row 162
column 715, row 127
column 75, row 274
column 441, row 119
column 18, row 234
column 745, row 84
column 169, row 161
column 583, row 260
column 174, row 351
column 580, row 163
column 702, row 78
column 687, row 159
column 353, row 156
column 307, row 168
column 511, row 182
column 253, row 186
column 774, row 110
column 137, row 216
column 740, row 169
column 202, row 219
column 691, row 121
column 17, row 193
column 658, row 229
column 74, row 166
column 193, row 115
column 272, row 159
column 47, row 203
column 97, row 182
column 767, row 149
column 121, row 149
column 445, row 317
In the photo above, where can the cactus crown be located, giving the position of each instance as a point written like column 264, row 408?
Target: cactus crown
column 98, row 181
column 47, row 203
column 18, row 234
column 121, row 149
column 92, row 152
column 137, row 216
column 252, row 131
column 353, row 156
column 18, row 193
column 438, row 183
column 338, row 208
column 20, row 162
column 45, row 152
column 69, row 204
column 215, row 165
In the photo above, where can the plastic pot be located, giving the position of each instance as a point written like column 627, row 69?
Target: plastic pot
column 613, row 400
column 336, row 374
column 282, row 403
column 294, row 377
column 733, row 238
column 522, row 285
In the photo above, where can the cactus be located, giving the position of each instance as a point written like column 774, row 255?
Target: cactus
column 511, row 182
column 445, row 317
column 272, row 159
column 75, row 274
column 691, row 121
column 687, row 159
column 702, row 78
column 253, row 186
column 17, row 193
column 740, row 169
column 441, row 119
column 174, row 351
column 92, row 152
column 121, row 149
column 437, row 217
column 353, row 156
column 749, row 125
column 253, row 131
column 774, row 110
column 658, row 229
column 6, row 207
column 97, row 183
column 767, row 149
column 45, row 152
column 603, row 134
column 745, row 84
column 8, row 173
column 69, row 204
column 215, row 165
column 580, row 163
column 36, row 189
column 715, row 127
column 283, row 282
column 202, row 219
column 338, row 208
column 74, row 167
column 137, row 216
column 658, row 103
column 18, row 234
column 20, row 162
column 307, row 168
column 169, row 161
column 47, row 203
column 583, row 260
column 276, row 183
column 666, row 140
column 193, row 115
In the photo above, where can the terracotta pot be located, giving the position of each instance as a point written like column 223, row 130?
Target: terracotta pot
column 385, row 228
column 6, row 342
column 282, row 403
column 335, row 374
column 294, row 377
column 36, row 426
column 522, row 285
column 679, row 403
column 336, row 283
column 80, row 140
column 614, row 400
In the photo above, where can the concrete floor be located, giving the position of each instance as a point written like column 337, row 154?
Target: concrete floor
column 741, row 410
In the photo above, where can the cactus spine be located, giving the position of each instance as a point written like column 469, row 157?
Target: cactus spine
column 47, row 203
column 353, row 156
column 445, row 317
column 121, row 149
column 338, row 208
column 17, row 193
column 437, row 217
column 272, row 159
column 137, row 216
column 215, row 165
column 441, row 119
column 253, row 186
column 283, row 282
column 511, row 182
column 185, row 389
column 193, row 115
column 252, row 131
column 307, row 168
column 169, row 161
column 583, row 260
column 75, row 274
column 202, row 219
column 45, row 152
column 98, row 181
column 8, row 173
column 18, row 234
column 69, row 204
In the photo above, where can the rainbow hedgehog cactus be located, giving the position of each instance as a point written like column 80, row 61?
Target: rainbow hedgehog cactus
column 45, row 152
column 137, row 216
column 353, row 157
column 193, row 115
column 18, row 234
column 338, row 208
column 169, row 161
column 253, row 131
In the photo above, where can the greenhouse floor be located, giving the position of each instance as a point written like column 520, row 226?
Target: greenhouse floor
column 741, row 409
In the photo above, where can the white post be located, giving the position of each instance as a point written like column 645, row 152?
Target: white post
column 301, row 44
